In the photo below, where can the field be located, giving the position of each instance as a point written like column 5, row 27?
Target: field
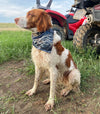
column 17, row 75
column 9, row 27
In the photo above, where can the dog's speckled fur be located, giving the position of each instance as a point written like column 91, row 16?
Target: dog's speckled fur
column 58, row 63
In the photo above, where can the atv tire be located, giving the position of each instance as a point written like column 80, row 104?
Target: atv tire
column 60, row 31
column 84, row 36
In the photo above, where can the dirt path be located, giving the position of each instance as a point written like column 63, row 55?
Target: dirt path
column 14, row 83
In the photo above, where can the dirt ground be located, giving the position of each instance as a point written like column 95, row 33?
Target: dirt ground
column 14, row 82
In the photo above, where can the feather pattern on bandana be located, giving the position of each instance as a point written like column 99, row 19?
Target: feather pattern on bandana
column 44, row 41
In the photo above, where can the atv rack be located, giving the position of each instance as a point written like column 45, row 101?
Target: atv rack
column 39, row 6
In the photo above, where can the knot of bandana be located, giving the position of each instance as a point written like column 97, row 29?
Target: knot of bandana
column 44, row 41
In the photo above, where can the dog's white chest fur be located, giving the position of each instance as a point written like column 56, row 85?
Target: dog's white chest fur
column 44, row 59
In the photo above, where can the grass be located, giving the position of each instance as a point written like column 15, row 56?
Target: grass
column 87, row 63
column 14, row 45
column 17, row 45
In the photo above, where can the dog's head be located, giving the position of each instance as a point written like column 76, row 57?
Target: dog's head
column 35, row 18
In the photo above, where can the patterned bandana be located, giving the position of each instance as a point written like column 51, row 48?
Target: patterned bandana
column 44, row 41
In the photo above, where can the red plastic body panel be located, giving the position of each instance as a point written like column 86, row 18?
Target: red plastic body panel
column 61, row 19
column 76, row 25
column 55, row 12
column 97, row 7
column 72, row 14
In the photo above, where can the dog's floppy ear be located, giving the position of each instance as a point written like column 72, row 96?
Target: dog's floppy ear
column 44, row 22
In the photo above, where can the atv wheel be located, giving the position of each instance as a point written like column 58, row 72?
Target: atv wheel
column 87, row 37
column 60, row 31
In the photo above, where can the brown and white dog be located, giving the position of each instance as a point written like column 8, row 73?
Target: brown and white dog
column 58, row 63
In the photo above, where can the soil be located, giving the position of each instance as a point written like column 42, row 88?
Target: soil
column 14, row 82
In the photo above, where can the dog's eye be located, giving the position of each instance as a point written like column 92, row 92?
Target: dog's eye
column 31, row 15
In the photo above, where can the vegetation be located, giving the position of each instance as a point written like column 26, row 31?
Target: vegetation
column 87, row 63
column 8, row 25
column 16, row 45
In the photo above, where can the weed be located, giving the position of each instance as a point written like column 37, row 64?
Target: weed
column 0, row 85
column 11, row 99
column 23, row 92
column 8, row 85
column 18, row 80
column 13, row 110
column 30, row 68
column 56, row 100
column 53, row 112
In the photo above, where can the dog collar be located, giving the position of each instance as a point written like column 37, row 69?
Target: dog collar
column 44, row 41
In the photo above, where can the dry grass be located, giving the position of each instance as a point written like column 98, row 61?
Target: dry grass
column 10, row 27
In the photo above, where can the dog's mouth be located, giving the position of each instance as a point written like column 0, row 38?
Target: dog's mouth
column 25, row 27
column 21, row 22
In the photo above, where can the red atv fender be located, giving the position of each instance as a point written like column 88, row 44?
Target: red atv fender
column 75, row 26
column 59, row 23
column 58, row 16
column 63, row 20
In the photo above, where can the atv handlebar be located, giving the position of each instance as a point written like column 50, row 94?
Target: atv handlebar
column 39, row 6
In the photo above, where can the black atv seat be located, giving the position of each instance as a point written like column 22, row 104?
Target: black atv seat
column 70, row 19
column 87, row 3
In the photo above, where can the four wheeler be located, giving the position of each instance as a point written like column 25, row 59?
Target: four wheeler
column 74, row 23
column 65, row 25
column 88, row 35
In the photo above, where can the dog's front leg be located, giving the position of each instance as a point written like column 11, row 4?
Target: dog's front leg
column 36, row 82
column 53, row 79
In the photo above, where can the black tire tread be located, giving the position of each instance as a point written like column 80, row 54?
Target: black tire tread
column 78, row 39
column 61, row 30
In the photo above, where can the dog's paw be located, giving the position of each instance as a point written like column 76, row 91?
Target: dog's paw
column 47, row 81
column 65, row 92
column 30, row 92
column 49, row 105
